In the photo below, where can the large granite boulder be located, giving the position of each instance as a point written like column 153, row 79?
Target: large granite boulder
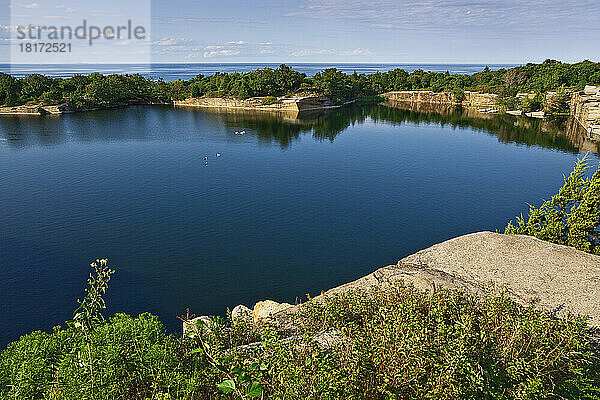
column 241, row 313
column 560, row 277
column 264, row 311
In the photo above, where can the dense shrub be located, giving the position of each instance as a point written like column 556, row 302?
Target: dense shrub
column 560, row 102
column 571, row 217
column 532, row 104
column 270, row 100
column 392, row 343
column 91, row 358
column 402, row 343
column 124, row 357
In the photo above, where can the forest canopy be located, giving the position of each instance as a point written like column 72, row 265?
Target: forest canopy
column 97, row 91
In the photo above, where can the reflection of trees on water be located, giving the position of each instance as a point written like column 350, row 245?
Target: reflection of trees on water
column 508, row 129
column 279, row 127
column 283, row 128
column 335, row 121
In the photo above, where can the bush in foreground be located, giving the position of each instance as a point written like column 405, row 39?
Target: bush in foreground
column 571, row 217
column 396, row 343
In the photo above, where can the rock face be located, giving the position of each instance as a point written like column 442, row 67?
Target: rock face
column 196, row 325
column 241, row 313
column 264, row 311
column 585, row 107
column 295, row 104
column 560, row 277
column 471, row 99
column 35, row 110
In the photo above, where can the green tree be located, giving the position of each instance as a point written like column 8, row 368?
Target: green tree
column 334, row 84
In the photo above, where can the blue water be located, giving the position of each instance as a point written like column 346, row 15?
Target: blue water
column 171, row 72
column 294, row 206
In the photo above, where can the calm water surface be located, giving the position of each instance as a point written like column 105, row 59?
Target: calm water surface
column 294, row 206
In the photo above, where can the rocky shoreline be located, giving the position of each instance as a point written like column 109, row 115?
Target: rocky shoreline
column 36, row 110
column 584, row 105
column 294, row 104
column 558, row 278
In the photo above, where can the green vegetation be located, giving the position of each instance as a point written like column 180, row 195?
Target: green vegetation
column 96, row 90
column 393, row 343
column 571, row 217
column 532, row 104
column 270, row 100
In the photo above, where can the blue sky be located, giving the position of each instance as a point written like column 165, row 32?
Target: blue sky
column 383, row 30
column 428, row 31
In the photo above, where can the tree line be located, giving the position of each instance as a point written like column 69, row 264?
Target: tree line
column 97, row 90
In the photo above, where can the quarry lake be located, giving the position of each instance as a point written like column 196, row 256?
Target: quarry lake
column 296, row 205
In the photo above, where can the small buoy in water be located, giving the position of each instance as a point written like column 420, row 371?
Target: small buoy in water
column 218, row 155
column 206, row 164
column 205, row 158
column 242, row 132
column 237, row 133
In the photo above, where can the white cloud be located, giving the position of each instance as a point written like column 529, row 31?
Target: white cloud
column 238, row 42
column 223, row 53
column 165, row 42
column 67, row 9
column 9, row 28
column 265, row 43
column 311, row 52
column 103, row 13
column 213, row 47
column 122, row 42
column 357, row 52
column 316, row 52
column 266, row 51
column 21, row 5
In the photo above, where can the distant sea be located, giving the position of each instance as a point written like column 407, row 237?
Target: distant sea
column 170, row 72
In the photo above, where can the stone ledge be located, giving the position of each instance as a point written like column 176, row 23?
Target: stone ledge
column 561, row 278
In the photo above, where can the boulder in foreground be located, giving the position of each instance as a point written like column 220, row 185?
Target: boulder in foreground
column 560, row 277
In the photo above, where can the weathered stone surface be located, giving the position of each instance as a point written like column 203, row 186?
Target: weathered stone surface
column 35, row 109
column 580, row 138
column 595, row 90
column 193, row 326
column 297, row 104
column 329, row 338
column 265, row 310
column 536, row 114
column 325, row 340
column 241, row 313
column 559, row 276
column 471, row 99
column 585, row 107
